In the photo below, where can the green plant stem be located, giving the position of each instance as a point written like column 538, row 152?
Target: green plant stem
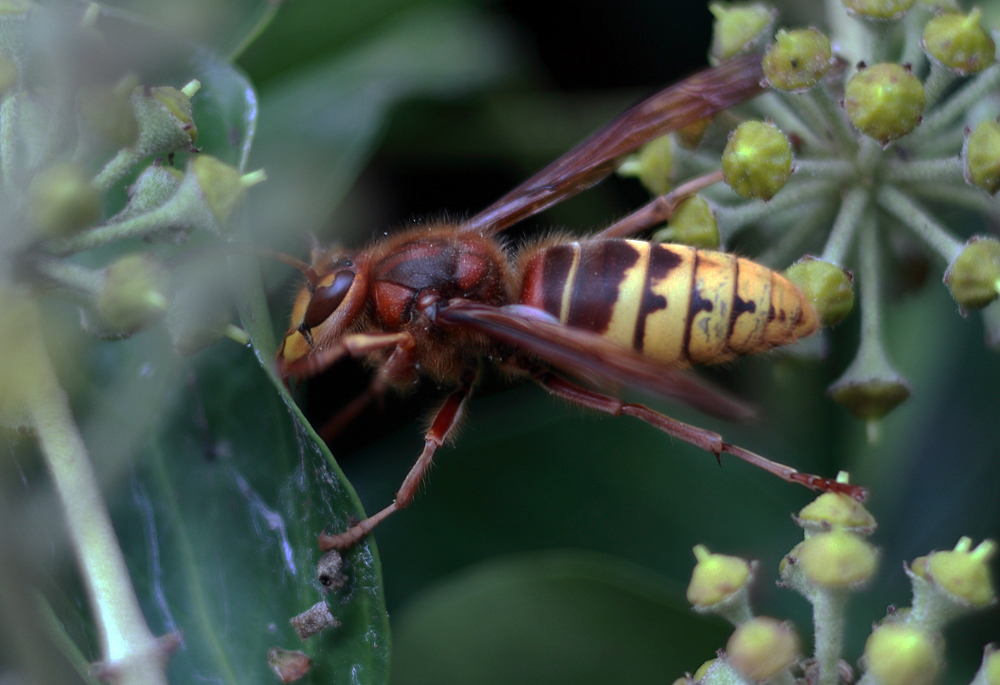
column 731, row 219
column 828, row 169
column 979, row 87
column 130, row 651
column 116, row 167
column 936, row 83
column 789, row 246
column 879, row 33
column 948, row 170
column 138, row 226
column 8, row 138
column 913, row 36
column 71, row 276
column 961, row 195
column 852, row 209
column 920, row 222
column 828, row 626
column 834, row 119
column 776, row 107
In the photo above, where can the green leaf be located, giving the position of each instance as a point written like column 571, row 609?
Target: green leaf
column 552, row 617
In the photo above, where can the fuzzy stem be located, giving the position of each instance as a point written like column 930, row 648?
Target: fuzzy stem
column 731, row 219
column 777, row 108
column 835, row 119
column 978, row 88
column 789, row 246
column 71, row 276
column 828, row 169
column 937, row 82
column 116, row 167
column 913, row 36
column 948, row 169
column 845, row 227
column 8, row 138
column 129, row 649
column 961, row 195
column 920, row 222
column 828, row 622
column 137, row 226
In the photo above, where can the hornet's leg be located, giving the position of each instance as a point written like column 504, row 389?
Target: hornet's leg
column 444, row 421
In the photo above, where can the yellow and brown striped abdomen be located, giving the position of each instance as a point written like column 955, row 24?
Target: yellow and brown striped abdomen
column 674, row 303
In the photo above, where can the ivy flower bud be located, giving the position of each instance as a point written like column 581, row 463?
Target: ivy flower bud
column 884, row 101
column 154, row 186
column 830, row 288
column 974, row 276
column 870, row 388
column 762, row 648
column 716, row 578
column 989, row 672
column 134, row 295
column 901, row 654
column 109, row 111
column 166, row 122
column 835, row 510
column 757, row 160
column 878, row 9
column 63, row 200
column 652, row 165
column 981, row 156
column 703, row 669
column 797, row 59
column 693, row 223
column 958, row 42
column 222, row 185
column 739, row 28
column 836, row 559
column 961, row 572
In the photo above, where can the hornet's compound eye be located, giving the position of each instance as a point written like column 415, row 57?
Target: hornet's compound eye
column 326, row 298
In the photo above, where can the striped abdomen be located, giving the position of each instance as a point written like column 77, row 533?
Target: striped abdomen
column 674, row 303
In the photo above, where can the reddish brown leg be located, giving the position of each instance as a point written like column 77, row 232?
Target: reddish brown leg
column 659, row 209
column 444, row 421
column 699, row 437
column 355, row 345
column 398, row 367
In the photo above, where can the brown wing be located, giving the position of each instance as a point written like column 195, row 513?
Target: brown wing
column 698, row 97
column 587, row 355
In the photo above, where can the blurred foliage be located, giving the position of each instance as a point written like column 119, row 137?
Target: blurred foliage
column 544, row 534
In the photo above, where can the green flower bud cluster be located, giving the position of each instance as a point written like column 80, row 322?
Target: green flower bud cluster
column 831, row 564
column 867, row 126
column 64, row 145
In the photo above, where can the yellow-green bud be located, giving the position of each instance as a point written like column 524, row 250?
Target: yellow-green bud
column 9, row 74
column 827, row 286
column 990, row 669
column 974, row 276
column 757, row 160
column 166, row 122
column 878, row 9
column 900, row 654
column 221, row 184
column 652, row 165
column 63, row 200
column 870, row 388
column 739, row 28
column 958, row 42
column 884, row 101
column 109, row 111
column 693, row 223
column 154, row 186
column 797, row 59
column 716, row 577
column 981, row 156
column 134, row 295
column 703, row 669
column 762, row 648
column 832, row 509
column 836, row 559
column 962, row 572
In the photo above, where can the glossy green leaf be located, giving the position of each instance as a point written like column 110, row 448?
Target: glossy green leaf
column 551, row 617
